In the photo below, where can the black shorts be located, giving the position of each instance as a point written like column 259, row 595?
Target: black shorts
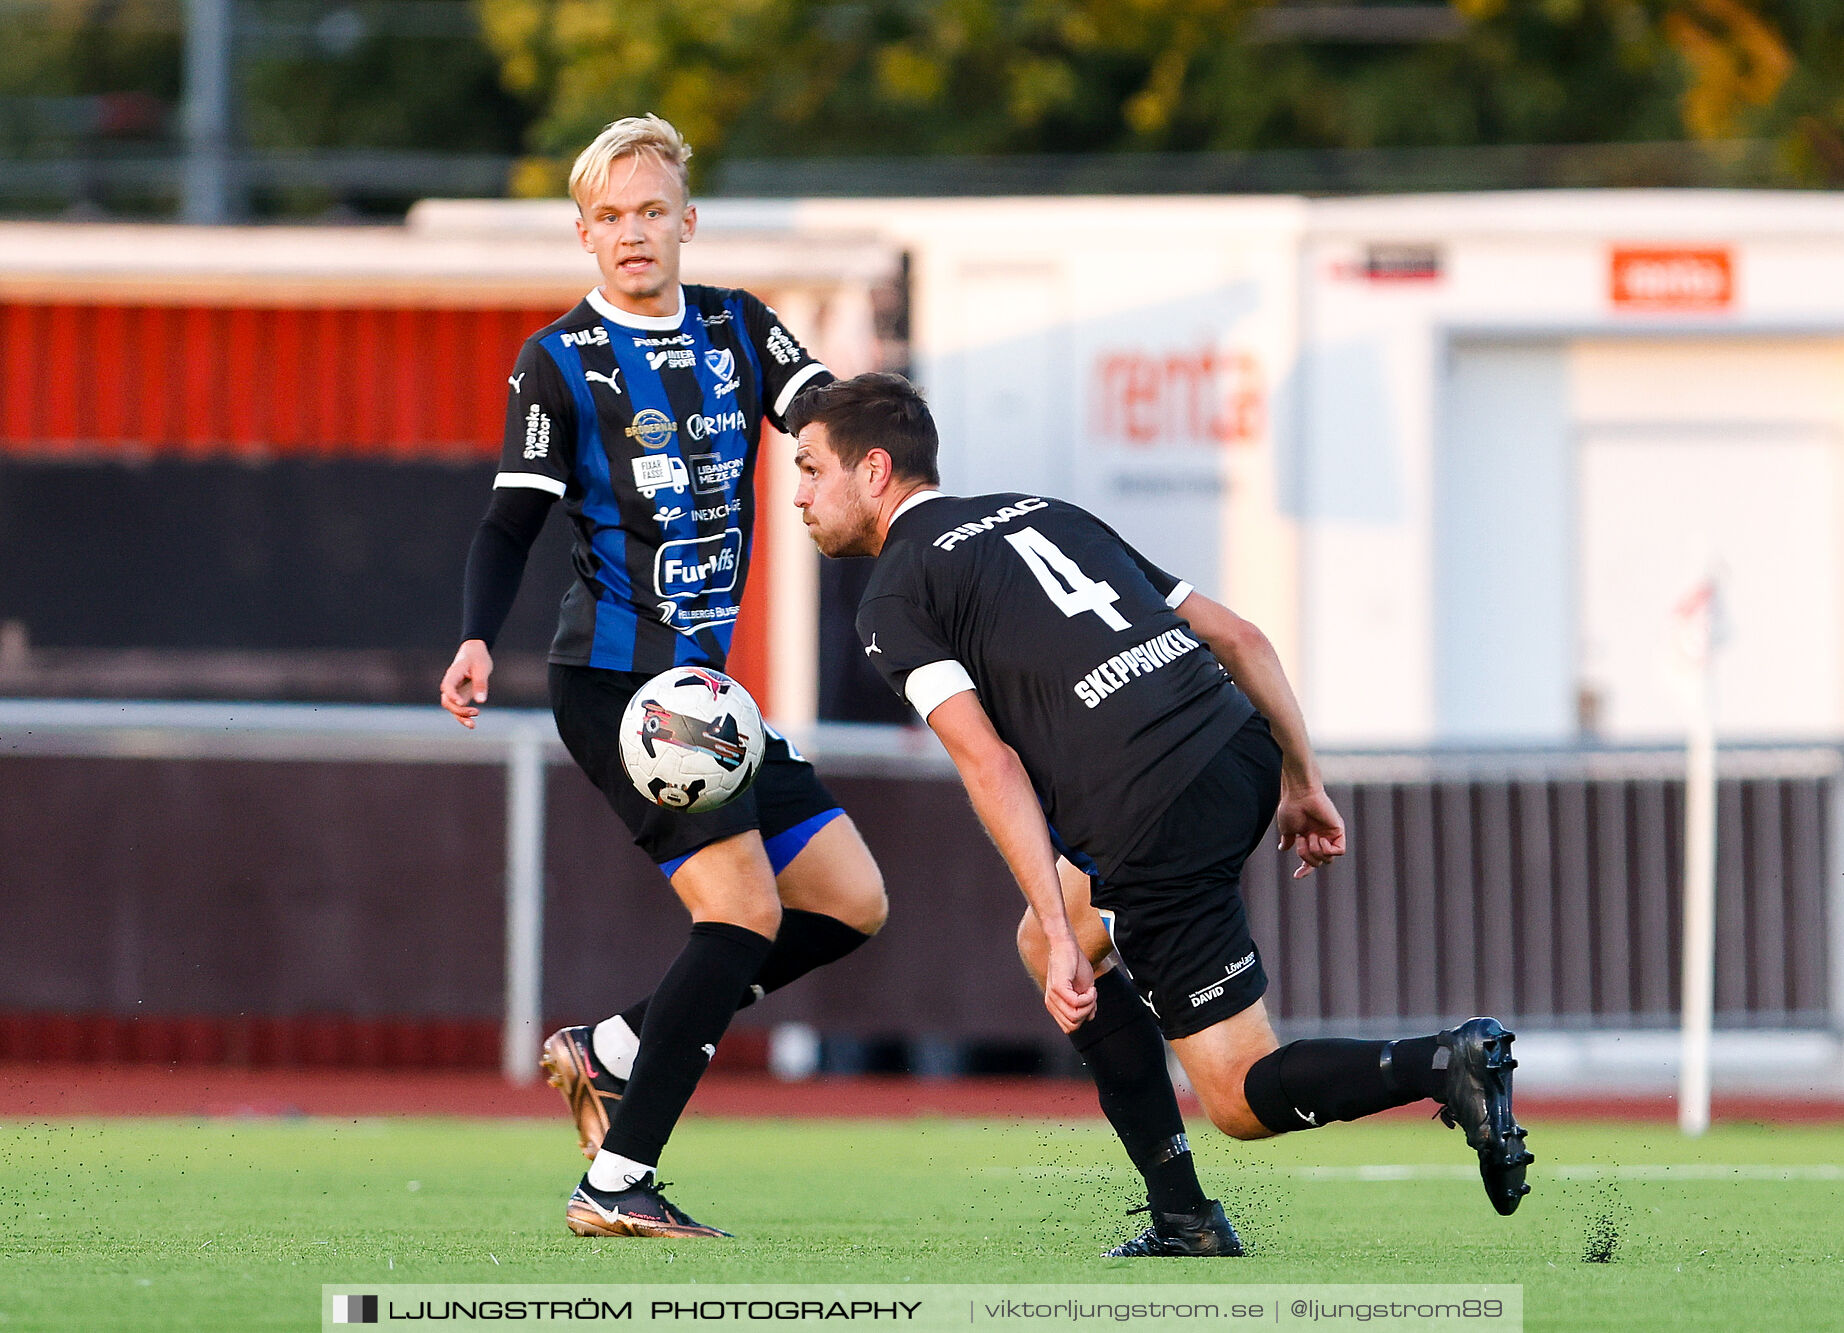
column 787, row 803
column 1174, row 907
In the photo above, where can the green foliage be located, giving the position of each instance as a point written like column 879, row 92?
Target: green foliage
column 70, row 49
column 433, row 92
column 820, row 78
column 764, row 78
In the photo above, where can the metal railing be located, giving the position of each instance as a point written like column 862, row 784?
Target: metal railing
column 1540, row 885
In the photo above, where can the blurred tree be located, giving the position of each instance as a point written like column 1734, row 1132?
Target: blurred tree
column 1774, row 69
column 766, row 78
column 62, row 58
column 78, row 77
column 816, row 78
column 375, row 74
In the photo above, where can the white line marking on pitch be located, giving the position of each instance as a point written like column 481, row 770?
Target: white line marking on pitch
column 1668, row 1171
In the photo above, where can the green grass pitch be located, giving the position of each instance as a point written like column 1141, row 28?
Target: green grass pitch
column 234, row 1224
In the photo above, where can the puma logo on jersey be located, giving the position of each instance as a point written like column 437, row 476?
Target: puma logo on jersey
column 513, row 380
column 612, row 379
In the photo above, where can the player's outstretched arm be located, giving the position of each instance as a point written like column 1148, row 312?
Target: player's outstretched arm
column 1002, row 797
column 1307, row 819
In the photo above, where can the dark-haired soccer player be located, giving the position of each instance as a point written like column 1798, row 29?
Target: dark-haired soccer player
column 642, row 409
column 1098, row 707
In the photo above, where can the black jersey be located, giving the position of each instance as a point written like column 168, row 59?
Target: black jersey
column 648, row 428
column 1070, row 637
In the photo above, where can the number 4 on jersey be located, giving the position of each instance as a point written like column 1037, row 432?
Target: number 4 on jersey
column 1070, row 590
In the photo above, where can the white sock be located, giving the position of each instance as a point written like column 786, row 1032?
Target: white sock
column 612, row 1173
column 615, row 1043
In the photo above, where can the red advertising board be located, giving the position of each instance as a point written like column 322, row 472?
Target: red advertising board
column 1672, row 278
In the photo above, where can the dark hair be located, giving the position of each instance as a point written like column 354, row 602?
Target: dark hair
column 874, row 411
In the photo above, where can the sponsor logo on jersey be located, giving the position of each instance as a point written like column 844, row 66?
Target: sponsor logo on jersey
column 537, row 433
column 1202, row 997
column 612, row 379
column 712, row 321
column 713, row 474
column 716, row 512
column 666, row 513
column 959, row 533
column 654, row 473
column 1140, row 660
column 699, row 566
column 783, row 348
column 513, row 380
column 702, row 427
column 676, row 340
column 595, row 337
column 653, row 428
column 688, row 620
column 672, row 358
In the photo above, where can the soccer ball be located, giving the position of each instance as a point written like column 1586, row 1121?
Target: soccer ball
column 691, row 740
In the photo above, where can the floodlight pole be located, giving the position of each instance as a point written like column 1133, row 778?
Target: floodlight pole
column 206, row 187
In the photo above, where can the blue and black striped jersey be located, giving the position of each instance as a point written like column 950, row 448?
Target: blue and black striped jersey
column 648, row 428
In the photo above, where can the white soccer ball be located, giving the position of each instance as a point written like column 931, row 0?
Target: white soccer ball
column 691, row 739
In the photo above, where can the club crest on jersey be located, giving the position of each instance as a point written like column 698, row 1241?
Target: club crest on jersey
column 653, row 428
column 722, row 362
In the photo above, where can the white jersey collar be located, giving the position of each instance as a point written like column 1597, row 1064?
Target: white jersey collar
column 920, row 497
column 615, row 315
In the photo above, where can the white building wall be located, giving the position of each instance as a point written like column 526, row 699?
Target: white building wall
column 1405, row 517
column 1384, row 471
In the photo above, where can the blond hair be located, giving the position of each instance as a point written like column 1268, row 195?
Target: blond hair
column 631, row 136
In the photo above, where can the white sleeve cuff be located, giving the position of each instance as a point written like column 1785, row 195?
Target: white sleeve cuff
column 928, row 687
column 1177, row 595
column 794, row 386
column 535, row 481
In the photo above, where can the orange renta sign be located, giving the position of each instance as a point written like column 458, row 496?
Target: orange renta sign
column 1673, row 279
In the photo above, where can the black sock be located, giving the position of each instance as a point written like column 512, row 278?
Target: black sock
column 1126, row 1057
column 687, row 1018
column 806, row 940
column 1306, row 1084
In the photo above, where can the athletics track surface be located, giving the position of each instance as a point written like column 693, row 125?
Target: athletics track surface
column 58, row 1092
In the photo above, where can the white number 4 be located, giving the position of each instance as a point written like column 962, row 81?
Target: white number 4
column 1070, row 590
